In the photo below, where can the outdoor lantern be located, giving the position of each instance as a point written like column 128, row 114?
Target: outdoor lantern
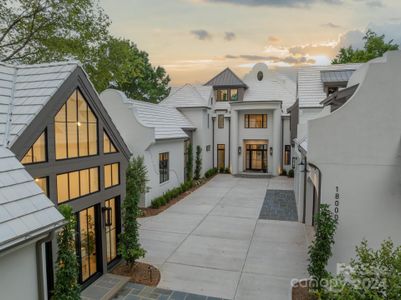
column 107, row 216
column 271, row 151
column 239, row 150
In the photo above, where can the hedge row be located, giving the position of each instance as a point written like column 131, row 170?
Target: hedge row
column 171, row 194
column 211, row 172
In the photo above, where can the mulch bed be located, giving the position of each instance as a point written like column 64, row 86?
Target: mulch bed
column 141, row 273
column 149, row 211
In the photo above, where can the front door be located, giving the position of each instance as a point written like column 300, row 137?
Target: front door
column 221, row 156
column 256, row 157
column 88, row 244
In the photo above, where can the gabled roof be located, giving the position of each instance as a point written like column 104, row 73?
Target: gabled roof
column 310, row 87
column 25, row 212
column 24, row 91
column 189, row 95
column 226, row 78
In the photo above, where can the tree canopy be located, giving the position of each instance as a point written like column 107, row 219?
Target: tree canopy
column 54, row 30
column 375, row 46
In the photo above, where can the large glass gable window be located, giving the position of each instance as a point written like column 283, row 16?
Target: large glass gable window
column 76, row 129
column 37, row 153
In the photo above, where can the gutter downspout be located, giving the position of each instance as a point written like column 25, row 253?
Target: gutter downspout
column 213, row 150
column 305, row 178
column 229, row 142
column 39, row 264
column 282, row 145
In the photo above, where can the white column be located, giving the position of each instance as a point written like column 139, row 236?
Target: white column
column 234, row 142
column 276, row 141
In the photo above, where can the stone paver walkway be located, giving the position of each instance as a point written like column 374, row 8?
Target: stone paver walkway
column 279, row 205
column 213, row 243
column 104, row 288
column 133, row 291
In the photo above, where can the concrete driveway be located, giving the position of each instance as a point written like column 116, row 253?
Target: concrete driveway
column 212, row 242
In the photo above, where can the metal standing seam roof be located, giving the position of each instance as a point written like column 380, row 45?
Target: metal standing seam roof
column 310, row 87
column 189, row 95
column 336, row 75
column 24, row 91
column 25, row 211
column 273, row 87
column 226, row 78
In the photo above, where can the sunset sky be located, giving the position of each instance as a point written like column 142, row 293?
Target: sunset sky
column 195, row 39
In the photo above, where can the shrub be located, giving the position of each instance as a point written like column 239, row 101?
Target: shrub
column 211, row 172
column 129, row 247
column 189, row 164
column 284, row 172
column 373, row 274
column 221, row 170
column 320, row 249
column 198, row 163
column 291, row 173
column 227, row 171
column 66, row 286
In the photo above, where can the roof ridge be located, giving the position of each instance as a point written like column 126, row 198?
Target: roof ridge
column 42, row 65
column 10, row 111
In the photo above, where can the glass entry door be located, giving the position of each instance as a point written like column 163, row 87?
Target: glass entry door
column 89, row 250
column 256, row 157
column 112, row 210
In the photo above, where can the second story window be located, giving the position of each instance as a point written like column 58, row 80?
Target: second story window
column 220, row 121
column 37, row 153
column 164, row 167
column 256, row 121
column 111, row 175
column 234, row 95
column 108, row 146
column 76, row 129
column 222, row 95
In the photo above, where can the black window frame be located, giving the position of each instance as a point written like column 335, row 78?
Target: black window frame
column 111, row 175
column 164, row 166
column 247, row 122
column 287, row 155
column 219, row 99
column 33, row 162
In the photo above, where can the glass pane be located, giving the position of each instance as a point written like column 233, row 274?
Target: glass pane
column 107, row 176
column 84, row 182
column 61, row 141
column 115, row 174
column 72, row 131
column 42, row 183
column 74, row 185
column 92, row 240
column 60, row 117
column 62, row 188
column 92, row 138
column 91, row 116
column 106, row 143
column 83, row 139
column 94, row 180
column 28, row 158
column 83, row 224
column 39, row 149
column 72, row 109
column 82, row 109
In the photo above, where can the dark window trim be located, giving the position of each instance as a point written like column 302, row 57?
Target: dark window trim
column 111, row 174
column 164, row 167
column 33, row 153
column 247, row 121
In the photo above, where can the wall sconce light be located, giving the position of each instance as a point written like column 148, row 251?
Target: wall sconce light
column 239, row 150
column 107, row 216
column 271, row 151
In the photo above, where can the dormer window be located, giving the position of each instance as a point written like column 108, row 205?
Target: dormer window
column 222, row 95
column 332, row 90
column 234, row 94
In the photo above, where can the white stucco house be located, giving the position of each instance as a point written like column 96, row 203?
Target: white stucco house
column 158, row 133
column 28, row 219
column 353, row 158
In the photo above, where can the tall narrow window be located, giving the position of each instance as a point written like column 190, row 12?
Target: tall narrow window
column 111, row 228
column 42, row 183
column 76, row 184
column 234, row 94
column 38, row 152
column 221, row 156
column 111, row 175
column 222, row 95
column 76, row 129
column 220, row 121
column 108, row 146
column 164, row 167
column 287, row 155
column 256, row 121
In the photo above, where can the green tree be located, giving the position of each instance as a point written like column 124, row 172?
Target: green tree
column 375, row 46
column 54, row 30
column 320, row 249
column 49, row 30
column 189, row 167
column 198, row 162
column 129, row 247
column 120, row 64
column 66, row 286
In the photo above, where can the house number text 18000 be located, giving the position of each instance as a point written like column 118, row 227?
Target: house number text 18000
column 336, row 203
